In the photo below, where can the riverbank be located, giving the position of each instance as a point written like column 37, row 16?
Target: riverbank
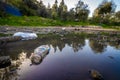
column 57, row 29
column 34, row 21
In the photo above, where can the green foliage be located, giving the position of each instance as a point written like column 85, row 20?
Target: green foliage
column 117, row 15
column 55, row 10
column 33, row 10
column 82, row 11
column 105, row 8
column 62, row 11
column 3, row 35
column 42, row 11
column 28, row 21
column 33, row 4
column 71, row 15
column 2, row 12
column 104, row 13
column 25, row 10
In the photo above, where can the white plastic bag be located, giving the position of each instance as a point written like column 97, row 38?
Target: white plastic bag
column 26, row 35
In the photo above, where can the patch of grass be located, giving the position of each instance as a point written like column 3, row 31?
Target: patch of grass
column 3, row 35
column 36, row 21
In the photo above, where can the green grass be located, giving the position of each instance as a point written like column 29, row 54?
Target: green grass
column 3, row 35
column 27, row 21
column 36, row 21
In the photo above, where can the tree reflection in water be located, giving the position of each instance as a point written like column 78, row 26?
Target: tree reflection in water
column 11, row 72
column 97, row 47
column 97, row 43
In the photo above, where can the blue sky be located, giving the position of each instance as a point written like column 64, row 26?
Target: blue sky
column 92, row 3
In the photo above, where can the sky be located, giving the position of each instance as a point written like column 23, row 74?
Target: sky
column 93, row 4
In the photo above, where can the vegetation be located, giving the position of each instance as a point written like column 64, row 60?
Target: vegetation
column 36, row 21
column 105, row 14
column 35, row 13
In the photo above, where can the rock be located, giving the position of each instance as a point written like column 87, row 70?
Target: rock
column 96, row 75
column 5, row 61
column 2, row 43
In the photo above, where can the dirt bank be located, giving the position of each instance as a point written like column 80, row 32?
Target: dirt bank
column 45, row 30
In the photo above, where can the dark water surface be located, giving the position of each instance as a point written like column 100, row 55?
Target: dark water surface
column 70, row 58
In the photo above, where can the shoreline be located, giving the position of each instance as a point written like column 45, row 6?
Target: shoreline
column 56, row 29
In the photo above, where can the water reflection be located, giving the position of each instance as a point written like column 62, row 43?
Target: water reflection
column 97, row 47
column 62, row 57
column 76, row 41
column 11, row 72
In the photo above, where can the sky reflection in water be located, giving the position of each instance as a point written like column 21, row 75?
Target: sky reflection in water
column 69, row 59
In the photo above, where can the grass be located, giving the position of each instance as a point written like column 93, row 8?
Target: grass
column 26, row 21
column 3, row 35
column 35, row 21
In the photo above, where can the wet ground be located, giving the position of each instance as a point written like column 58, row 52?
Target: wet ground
column 70, row 58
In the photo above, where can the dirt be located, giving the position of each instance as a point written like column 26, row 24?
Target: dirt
column 45, row 30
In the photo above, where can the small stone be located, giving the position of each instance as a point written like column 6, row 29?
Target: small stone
column 95, row 75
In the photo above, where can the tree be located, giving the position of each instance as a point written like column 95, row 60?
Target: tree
column 55, row 10
column 117, row 15
column 31, row 4
column 49, row 11
column 2, row 12
column 71, row 15
column 104, row 12
column 82, row 11
column 62, row 11
column 25, row 9
column 42, row 11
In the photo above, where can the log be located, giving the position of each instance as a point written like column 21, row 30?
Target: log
column 5, row 61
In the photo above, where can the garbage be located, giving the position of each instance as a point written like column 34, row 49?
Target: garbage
column 26, row 35
column 96, row 75
column 39, row 54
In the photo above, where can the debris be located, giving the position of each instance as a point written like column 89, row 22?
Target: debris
column 39, row 54
column 26, row 35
